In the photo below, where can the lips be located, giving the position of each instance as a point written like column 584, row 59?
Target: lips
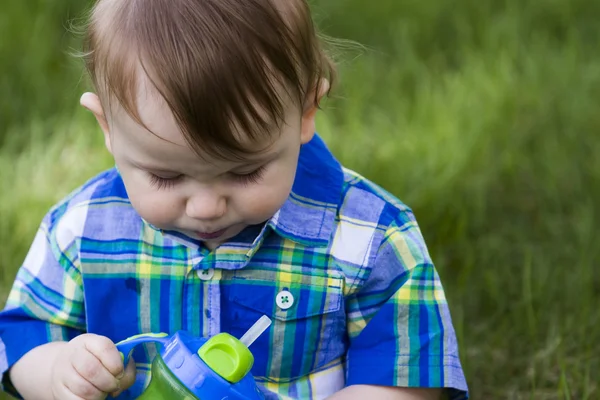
column 210, row 235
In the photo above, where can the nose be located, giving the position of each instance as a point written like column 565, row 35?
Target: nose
column 206, row 205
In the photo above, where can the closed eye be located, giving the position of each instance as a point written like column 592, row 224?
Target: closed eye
column 162, row 183
column 249, row 178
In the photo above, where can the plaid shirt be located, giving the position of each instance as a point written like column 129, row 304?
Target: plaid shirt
column 341, row 269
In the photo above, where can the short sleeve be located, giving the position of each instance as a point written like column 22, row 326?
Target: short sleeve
column 399, row 324
column 46, row 300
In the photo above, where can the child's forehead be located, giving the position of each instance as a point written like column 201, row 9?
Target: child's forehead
column 158, row 136
column 155, row 113
column 152, row 113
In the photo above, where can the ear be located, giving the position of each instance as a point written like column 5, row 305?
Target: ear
column 91, row 102
column 310, row 112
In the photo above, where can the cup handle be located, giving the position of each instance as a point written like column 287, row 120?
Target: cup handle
column 126, row 346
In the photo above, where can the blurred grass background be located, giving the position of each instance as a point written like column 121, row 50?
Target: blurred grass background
column 482, row 115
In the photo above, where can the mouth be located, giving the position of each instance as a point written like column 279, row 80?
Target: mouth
column 210, row 235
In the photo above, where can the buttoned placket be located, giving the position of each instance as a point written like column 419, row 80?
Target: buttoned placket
column 204, row 295
column 212, row 291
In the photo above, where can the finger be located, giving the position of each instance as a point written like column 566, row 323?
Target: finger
column 80, row 388
column 92, row 370
column 105, row 351
column 128, row 378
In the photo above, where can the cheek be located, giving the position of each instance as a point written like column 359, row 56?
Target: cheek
column 260, row 202
column 156, row 207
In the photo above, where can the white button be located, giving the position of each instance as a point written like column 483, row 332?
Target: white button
column 206, row 274
column 285, row 299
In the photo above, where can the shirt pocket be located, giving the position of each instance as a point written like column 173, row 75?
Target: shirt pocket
column 308, row 329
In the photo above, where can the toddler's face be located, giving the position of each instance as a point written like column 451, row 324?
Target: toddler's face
column 173, row 188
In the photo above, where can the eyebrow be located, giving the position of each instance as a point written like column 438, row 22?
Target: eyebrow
column 262, row 158
column 152, row 168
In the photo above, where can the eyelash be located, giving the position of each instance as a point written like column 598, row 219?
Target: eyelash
column 163, row 183
column 244, row 179
column 253, row 177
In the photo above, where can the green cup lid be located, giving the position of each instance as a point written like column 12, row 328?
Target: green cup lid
column 227, row 356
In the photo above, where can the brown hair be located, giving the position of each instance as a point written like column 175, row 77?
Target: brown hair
column 219, row 64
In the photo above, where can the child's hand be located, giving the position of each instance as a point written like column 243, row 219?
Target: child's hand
column 90, row 368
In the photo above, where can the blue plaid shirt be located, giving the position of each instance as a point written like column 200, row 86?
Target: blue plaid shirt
column 341, row 269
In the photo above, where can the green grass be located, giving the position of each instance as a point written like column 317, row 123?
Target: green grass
column 482, row 115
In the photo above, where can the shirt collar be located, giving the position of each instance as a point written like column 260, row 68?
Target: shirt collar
column 308, row 216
